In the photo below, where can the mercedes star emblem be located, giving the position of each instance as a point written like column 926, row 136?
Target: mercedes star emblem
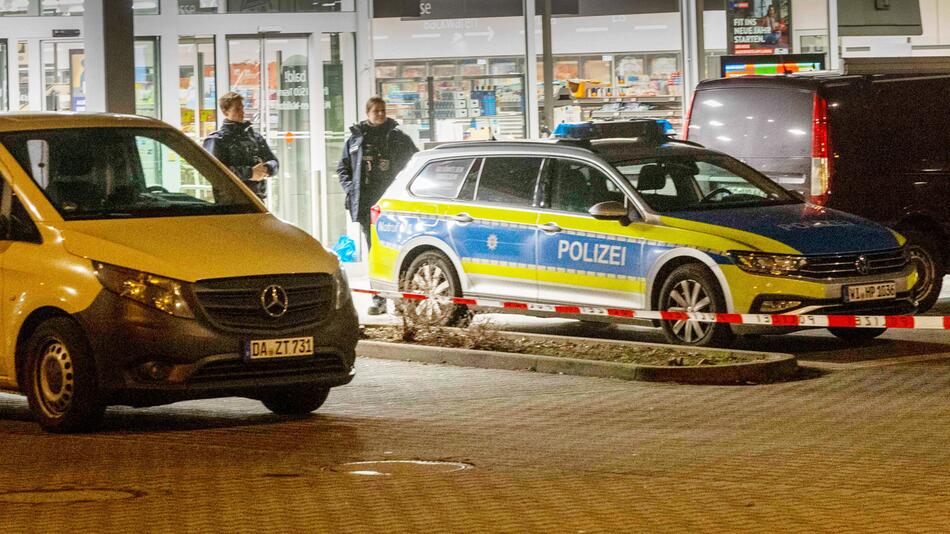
column 274, row 301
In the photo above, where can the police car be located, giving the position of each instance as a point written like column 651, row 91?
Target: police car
column 618, row 214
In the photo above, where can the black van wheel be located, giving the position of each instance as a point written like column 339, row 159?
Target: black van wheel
column 296, row 400
column 857, row 335
column 60, row 378
column 692, row 288
column 927, row 258
column 431, row 274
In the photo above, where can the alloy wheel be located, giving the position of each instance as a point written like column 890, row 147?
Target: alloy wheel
column 432, row 281
column 689, row 296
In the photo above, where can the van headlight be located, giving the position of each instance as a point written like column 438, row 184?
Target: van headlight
column 763, row 263
column 163, row 294
column 341, row 289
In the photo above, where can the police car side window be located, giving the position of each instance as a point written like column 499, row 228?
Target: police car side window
column 471, row 182
column 575, row 187
column 441, row 179
column 509, row 180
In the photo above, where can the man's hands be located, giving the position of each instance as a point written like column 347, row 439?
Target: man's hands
column 259, row 172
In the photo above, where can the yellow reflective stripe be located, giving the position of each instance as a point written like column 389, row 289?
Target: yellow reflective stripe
column 505, row 271
column 382, row 260
column 635, row 285
column 721, row 234
column 900, row 239
column 421, row 208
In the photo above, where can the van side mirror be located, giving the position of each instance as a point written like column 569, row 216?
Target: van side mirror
column 611, row 211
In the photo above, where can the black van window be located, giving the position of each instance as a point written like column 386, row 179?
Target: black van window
column 509, row 181
column 441, row 179
column 756, row 124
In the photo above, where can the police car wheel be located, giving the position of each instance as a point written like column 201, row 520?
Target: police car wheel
column 692, row 288
column 857, row 335
column 925, row 256
column 432, row 274
column 60, row 378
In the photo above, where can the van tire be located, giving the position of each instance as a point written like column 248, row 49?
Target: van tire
column 60, row 378
column 857, row 335
column 431, row 273
column 296, row 400
column 685, row 279
column 926, row 254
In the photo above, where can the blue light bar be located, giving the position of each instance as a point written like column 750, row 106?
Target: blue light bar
column 653, row 130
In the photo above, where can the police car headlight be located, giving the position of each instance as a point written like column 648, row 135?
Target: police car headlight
column 341, row 289
column 763, row 263
column 163, row 294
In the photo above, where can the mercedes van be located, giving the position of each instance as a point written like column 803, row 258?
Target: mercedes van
column 877, row 146
column 137, row 270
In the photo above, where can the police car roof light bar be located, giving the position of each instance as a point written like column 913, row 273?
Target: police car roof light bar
column 653, row 130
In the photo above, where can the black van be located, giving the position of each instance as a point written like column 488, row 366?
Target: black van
column 874, row 145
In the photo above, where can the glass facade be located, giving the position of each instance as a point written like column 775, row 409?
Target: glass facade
column 197, row 90
column 147, row 86
column 63, row 81
column 4, row 83
column 193, row 7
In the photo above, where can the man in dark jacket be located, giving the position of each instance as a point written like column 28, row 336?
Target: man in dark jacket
column 372, row 157
column 240, row 148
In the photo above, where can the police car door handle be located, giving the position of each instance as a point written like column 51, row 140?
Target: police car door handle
column 463, row 218
column 551, row 228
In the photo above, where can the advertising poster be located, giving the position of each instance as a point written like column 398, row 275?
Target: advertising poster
column 758, row 26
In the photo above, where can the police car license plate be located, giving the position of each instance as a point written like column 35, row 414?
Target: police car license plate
column 883, row 290
column 260, row 349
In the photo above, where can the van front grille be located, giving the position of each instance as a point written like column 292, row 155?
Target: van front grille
column 848, row 265
column 319, row 365
column 235, row 304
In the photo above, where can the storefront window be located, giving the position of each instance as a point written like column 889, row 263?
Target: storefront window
column 14, row 7
column 65, row 8
column 4, row 87
column 147, row 93
column 190, row 7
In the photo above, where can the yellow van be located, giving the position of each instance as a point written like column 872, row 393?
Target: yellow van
column 137, row 270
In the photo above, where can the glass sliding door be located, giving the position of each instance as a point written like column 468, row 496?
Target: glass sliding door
column 272, row 74
column 4, row 83
column 197, row 91
column 339, row 112
column 147, row 76
column 64, row 87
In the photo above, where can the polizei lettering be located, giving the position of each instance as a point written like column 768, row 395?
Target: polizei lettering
column 592, row 252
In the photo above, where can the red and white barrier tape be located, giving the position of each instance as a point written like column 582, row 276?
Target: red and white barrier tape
column 913, row 322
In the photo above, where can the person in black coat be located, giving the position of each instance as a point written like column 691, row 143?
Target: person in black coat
column 240, row 148
column 372, row 157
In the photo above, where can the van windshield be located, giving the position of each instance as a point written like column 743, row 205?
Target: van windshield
column 770, row 128
column 105, row 173
column 701, row 182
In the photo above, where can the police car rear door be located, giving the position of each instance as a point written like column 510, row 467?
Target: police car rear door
column 582, row 260
column 493, row 227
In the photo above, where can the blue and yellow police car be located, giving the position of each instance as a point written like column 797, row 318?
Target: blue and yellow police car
column 619, row 214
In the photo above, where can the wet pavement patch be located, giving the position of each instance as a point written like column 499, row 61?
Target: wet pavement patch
column 386, row 468
column 67, row 495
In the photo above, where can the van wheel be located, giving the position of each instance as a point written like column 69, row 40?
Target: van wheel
column 926, row 256
column 692, row 288
column 296, row 400
column 857, row 335
column 60, row 378
column 432, row 274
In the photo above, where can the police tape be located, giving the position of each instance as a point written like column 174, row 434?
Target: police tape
column 911, row 322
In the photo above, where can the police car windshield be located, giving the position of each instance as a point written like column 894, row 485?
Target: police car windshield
column 700, row 182
column 108, row 173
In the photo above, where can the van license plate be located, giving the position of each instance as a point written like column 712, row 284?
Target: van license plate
column 260, row 349
column 883, row 290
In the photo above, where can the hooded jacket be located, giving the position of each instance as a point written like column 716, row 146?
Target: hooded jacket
column 240, row 148
column 397, row 147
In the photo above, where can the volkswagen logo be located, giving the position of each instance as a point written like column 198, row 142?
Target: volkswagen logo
column 274, row 301
column 862, row 265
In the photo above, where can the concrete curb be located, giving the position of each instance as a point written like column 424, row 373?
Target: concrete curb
column 775, row 366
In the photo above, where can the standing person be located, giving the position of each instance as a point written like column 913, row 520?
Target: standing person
column 240, row 148
column 373, row 155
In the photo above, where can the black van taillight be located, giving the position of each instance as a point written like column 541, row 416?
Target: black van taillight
column 689, row 115
column 374, row 214
column 821, row 154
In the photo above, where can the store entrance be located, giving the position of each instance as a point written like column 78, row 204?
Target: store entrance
column 272, row 74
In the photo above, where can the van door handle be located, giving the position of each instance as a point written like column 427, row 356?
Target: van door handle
column 462, row 218
column 550, row 228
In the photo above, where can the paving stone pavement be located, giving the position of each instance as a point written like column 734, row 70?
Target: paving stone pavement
column 860, row 450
